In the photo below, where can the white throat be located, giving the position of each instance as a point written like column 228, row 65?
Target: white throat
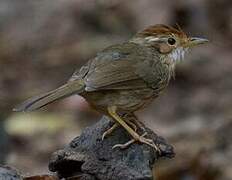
column 178, row 54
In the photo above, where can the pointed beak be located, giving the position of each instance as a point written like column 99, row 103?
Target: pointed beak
column 194, row 41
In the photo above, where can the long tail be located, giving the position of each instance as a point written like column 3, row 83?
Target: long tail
column 72, row 87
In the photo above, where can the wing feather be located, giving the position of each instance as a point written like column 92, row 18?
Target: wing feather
column 118, row 67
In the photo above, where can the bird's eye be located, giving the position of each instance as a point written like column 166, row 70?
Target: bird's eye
column 171, row 41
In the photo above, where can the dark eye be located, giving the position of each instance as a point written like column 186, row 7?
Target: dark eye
column 171, row 41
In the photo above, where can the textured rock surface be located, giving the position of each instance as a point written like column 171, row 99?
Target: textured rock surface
column 93, row 158
column 8, row 173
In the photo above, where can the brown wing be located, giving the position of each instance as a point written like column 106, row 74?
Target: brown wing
column 121, row 66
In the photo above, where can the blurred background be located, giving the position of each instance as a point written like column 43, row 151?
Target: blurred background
column 43, row 42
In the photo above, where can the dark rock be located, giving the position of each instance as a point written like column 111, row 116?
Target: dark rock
column 89, row 155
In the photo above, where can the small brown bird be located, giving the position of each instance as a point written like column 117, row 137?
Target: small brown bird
column 125, row 77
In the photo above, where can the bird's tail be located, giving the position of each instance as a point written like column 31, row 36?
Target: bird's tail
column 68, row 89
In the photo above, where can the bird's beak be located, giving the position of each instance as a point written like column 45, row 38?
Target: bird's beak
column 194, row 41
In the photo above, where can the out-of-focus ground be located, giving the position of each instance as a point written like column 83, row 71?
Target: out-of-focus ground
column 43, row 42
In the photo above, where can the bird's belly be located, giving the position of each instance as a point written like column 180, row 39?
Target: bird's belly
column 125, row 100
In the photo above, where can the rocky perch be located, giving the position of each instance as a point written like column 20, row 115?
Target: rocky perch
column 87, row 157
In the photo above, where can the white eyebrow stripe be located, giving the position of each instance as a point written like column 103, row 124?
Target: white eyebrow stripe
column 155, row 39
column 151, row 38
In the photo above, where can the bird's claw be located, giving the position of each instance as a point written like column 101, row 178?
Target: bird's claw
column 109, row 131
column 141, row 139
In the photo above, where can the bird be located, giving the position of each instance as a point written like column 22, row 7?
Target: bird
column 125, row 77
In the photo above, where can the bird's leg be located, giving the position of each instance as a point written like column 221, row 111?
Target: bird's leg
column 117, row 118
column 136, row 137
column 115, row 125
column 132, row 118
column 133, row 125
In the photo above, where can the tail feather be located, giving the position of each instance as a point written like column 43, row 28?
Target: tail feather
column 39, row 101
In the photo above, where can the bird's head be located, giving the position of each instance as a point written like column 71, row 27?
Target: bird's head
column 169, row 41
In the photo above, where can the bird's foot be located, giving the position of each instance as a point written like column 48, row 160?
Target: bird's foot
column 141, row 139
column 151, row 143
column 109, row 131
